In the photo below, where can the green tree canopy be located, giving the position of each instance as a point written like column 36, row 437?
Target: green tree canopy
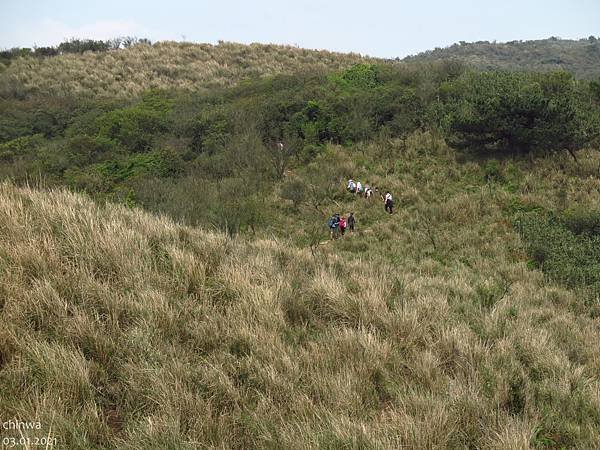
column 518, row 112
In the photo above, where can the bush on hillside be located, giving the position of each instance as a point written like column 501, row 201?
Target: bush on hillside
column 110, row 174
column 19, row 147
column 209, row 133
column 359, row 76
column 582, row 221
column 134, row 127
column 566, row 247
column 83, row 45
column 294, row 190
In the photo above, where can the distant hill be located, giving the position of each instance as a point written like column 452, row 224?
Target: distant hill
column 581, row 57
column 128, row 72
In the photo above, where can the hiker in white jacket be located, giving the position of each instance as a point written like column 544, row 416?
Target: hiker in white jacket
column 388, row 202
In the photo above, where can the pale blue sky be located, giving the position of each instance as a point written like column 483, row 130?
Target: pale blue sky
column 373, row 27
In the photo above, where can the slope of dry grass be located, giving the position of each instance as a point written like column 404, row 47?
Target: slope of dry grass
column 128, row 72
column 124, row 329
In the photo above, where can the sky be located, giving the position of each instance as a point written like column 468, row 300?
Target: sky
column 380, row 28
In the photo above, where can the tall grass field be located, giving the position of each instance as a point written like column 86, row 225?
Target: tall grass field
column 167, row 280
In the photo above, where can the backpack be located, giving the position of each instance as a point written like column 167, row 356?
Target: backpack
column 331, row 223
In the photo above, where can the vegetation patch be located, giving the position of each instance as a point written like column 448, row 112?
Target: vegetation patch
column 565, row 246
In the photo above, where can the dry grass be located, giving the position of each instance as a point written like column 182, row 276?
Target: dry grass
column 126, row 330
column 129, row 72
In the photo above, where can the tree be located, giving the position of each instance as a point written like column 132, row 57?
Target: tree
column 279, row 155
column 518, row 112
column 294, row 190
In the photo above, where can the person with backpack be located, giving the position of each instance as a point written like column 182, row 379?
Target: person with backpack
column 351, row 221
column 388, row 202
column 334, row 224
column 359, row 188
column 342, row 225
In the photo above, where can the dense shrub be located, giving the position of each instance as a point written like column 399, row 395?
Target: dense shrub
column 49, row 116
column 294, row 190
column 83, row 45
column 566, row 247
column 209, row 132
column 582, row 221
column 110, row 174
column 19, row 147
column 578, row 56
column 517, row 112
column 359, row 76
column 134, row 128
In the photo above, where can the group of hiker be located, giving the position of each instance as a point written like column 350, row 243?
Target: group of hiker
column 357, row 188
column 338, row 224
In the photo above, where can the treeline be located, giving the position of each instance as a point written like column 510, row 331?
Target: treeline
column 580, row 57
column 72, row 45
column 212, row 158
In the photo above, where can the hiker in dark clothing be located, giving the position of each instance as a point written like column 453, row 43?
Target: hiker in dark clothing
column 351, row 221
column 389, row 203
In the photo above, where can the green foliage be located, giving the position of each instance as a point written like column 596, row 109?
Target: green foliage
column 492, row 171
column 238, row 210
column 82, row 45
column 517, row 112
column 88, row 117
column 49, row 116
column 133, row 127
column 75, row 45
column 86, row 149
column 294, row 190
column 312, row 124
column 359, row 76
column 566, row 247
column 159, row 163
column 15, row 120
column 595, row 90
column 580, row 57
column 106, row 175
column 256, row 134
column 48, row 122
column 19, row 147
column 582, row 221
column 210, row 132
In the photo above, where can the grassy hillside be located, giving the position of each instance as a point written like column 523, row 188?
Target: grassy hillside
column 581, row 57
column 170, row 282
column 126, row 73
column 427, row 329
column 129, row 72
